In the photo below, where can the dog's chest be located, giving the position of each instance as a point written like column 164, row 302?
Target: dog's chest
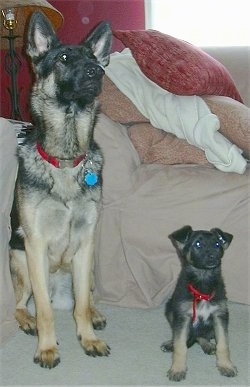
column 67, row 185
column 63, row 227
column 204, row 309
column 69, row 227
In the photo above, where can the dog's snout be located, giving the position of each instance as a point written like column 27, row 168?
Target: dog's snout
column 93, row 71
column 211, row 255
column 212, row 260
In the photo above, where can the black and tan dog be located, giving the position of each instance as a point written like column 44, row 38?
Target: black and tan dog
column 58, row 189
column 197, row 310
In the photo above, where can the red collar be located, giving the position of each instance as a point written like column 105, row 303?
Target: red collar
column 197, row 296
column 58, row 163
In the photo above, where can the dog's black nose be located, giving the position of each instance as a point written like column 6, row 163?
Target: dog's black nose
column 93, row 71
column 212, row 261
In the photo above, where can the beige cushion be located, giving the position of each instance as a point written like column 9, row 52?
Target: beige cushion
column 154, row 145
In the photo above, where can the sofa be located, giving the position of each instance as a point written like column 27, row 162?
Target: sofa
column 8, row 169
column 148, row 192
column 155, row 183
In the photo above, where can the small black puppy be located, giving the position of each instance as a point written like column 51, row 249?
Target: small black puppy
column 197, row 310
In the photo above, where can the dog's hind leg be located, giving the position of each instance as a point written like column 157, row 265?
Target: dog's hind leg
column 84, row 312
column 98, row 320
column 23, row 291
column 167, row 346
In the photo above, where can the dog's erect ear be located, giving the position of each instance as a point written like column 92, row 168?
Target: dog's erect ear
column 41, row 35
column 224, row 237
column 100, row 42
column 180, row 237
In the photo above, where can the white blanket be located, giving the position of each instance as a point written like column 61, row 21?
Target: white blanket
column 188, row 117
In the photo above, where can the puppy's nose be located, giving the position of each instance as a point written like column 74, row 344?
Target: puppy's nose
column 92, row 71
column 212, row 261
column 211, row 258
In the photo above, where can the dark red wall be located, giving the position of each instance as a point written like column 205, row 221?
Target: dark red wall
column 80, row 16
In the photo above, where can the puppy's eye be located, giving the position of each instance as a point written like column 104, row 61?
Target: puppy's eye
column 198, row 244
column 217, row 245
column 63, row 58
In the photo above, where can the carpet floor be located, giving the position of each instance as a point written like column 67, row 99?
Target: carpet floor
column 135, row 336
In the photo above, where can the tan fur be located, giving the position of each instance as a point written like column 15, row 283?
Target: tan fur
column 197, row 310
column 67, row 250
column 223, row 361
column 178, row 368
column 58, row 202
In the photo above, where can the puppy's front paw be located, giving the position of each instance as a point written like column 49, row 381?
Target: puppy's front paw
column 48, row 358
column 176, row 375
column 96, row 348
column 228, row 370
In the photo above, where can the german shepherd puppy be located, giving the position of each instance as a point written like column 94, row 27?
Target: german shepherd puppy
column 58, row 188
column 197, row 310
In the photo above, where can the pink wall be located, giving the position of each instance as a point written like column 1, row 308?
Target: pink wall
column 80, row 16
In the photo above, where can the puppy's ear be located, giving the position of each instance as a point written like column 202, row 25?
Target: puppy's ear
column 180, row 237
column 224, row 237
column 41, row 35
column 100, row 42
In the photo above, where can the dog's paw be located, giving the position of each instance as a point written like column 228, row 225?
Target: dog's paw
column 228, row 370
column 96, row 348
column 26, row 322
column 98, row 320
column 48, row 358
column 176, row 375
column 207, row 347
column 167, row 346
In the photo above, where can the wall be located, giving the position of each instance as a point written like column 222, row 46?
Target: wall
column 80, row 16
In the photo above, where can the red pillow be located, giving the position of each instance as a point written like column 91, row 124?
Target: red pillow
column 178, row 66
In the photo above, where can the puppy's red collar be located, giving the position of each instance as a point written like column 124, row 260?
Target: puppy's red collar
column 197, row 296
column 58, row 163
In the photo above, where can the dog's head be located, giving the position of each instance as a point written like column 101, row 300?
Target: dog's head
column 69, row 73
column 201, row 249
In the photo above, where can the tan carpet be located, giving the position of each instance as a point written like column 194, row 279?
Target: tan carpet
column 135, row 337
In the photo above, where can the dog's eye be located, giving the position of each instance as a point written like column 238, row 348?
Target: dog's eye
column 217, row 244
column 198, row 244
column 63, row 58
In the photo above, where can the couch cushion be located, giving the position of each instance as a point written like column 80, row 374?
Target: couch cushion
column 157, row 146
column 234, row 120
column 176, row 65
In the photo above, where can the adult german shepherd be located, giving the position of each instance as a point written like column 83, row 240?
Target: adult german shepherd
column 58, row 188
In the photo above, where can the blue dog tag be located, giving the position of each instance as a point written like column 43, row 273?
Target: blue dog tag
column 91, row 178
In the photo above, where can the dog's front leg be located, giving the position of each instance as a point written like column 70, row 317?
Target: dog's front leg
column 224, row 364
column 82, row 266
column 47, row 354
column 178, row 368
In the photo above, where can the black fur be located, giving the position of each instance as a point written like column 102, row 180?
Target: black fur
column 201, row 253
column 78, row 81
column 58, row 189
